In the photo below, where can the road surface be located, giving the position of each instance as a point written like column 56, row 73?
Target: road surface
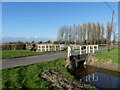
column 8, row 63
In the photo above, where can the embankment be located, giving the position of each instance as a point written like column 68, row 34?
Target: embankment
column 94, row 61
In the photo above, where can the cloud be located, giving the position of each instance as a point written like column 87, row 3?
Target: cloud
column 6, row 39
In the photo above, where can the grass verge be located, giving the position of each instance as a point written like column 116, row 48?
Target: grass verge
column 7, row 54
column 104, row 55
column 28, row 76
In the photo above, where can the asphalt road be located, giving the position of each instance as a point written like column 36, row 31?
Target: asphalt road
column 8, row 63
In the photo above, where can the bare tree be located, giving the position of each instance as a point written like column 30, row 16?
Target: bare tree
column 89, row 33
column 98, row 33
column 79, row 34
column 60, row 34
column 102, row 34
column 94, row 33
column 74, row 33
column 70, row 34
column 84, row 27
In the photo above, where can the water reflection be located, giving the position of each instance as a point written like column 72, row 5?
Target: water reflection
column 99, row 78
column 90, row 78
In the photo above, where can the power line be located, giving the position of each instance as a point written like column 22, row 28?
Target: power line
column 108, row 5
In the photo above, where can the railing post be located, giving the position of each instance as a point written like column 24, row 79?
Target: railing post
column 41, row 48
column 80, row 50
column 48, row 47
column 86, row 48
column 89, row 49
column 45, row 47
column 93, row 49
column 55, row 47
column 69, row 51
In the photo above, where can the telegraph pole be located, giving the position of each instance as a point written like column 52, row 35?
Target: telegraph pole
column 111, row 27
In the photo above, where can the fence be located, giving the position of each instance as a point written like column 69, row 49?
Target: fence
column 82, row 49
column 45, row 48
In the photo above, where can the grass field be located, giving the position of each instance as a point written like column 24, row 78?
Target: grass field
column 22, row 53
column 28, row 76
column 104, row 55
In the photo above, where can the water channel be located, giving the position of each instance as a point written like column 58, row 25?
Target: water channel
column 100, row 78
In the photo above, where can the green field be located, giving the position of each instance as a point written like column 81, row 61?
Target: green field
column 22, row 53
column 29, row 76
column 104, row 55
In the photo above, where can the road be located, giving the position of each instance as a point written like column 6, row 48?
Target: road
column 8, row 63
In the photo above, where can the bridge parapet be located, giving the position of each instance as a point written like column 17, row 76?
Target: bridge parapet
column 80, row 54
column 82, row 49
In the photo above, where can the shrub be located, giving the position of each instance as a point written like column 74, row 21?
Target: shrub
column 17, row 46
column 20, row 45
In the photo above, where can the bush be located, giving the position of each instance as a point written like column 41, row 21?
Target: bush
column 20, row 45
column 17, row 46
column 6, row 47
column 34, row 48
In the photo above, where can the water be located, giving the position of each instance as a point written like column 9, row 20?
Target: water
column 99, row 78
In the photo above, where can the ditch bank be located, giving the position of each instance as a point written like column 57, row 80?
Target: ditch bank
column 60, row 81
column 94, row 61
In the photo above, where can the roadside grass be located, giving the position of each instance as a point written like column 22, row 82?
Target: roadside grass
column 7, row 54
column 29, row 76
column 104, row 55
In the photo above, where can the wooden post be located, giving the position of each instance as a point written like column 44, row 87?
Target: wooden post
column 45, row 47
column 89, row 49
column 69, row 51
column 80, row 50
column 93, row 49
column 48, row 47
column 55, row 47
column 86, row 48
column 41, row 48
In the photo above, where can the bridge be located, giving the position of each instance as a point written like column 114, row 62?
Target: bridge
column 45, row 48
column 78, row 54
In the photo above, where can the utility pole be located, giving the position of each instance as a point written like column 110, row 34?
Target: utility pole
column 111, row 27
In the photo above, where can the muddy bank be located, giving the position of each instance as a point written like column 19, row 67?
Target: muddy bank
column 59, row 81
column 93, row 61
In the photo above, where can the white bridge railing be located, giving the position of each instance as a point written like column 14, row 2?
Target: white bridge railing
column 82, row 49
column 49, row 47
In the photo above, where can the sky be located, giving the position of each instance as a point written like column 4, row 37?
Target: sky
column 28, row 21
